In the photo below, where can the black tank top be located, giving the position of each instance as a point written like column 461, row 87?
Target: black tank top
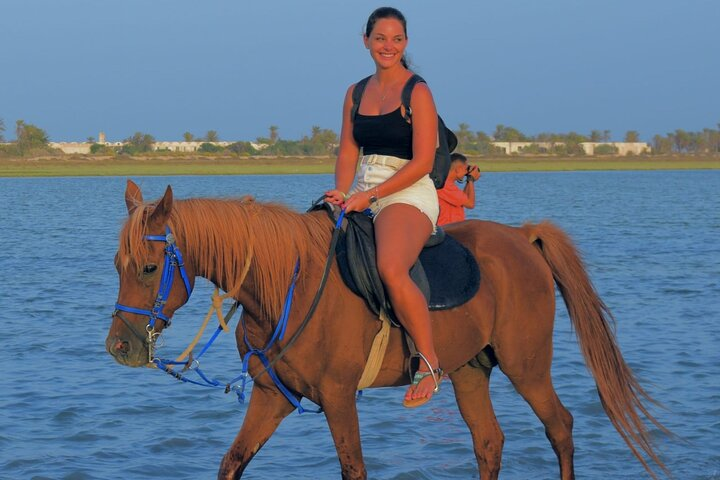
column 386, row 134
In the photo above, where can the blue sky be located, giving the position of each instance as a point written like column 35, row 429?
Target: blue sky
column 164, row 67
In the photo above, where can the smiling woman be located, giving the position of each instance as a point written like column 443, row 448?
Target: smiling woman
column 393, row 180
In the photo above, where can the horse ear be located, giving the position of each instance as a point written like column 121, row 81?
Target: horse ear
column 133, row 196
column 163, row 207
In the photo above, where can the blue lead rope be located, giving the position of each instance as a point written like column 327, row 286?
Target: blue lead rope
column 278, row 334
column 243, row 378
column 194, row 365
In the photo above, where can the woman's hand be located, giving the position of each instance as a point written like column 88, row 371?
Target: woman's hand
column 335, row 196
column 357, row 202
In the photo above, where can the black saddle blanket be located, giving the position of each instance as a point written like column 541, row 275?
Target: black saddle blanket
column 446, row 272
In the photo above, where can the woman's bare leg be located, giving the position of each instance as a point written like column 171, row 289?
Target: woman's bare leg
column 400, row 232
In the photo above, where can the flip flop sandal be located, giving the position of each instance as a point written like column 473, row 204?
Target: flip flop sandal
column 436, row 375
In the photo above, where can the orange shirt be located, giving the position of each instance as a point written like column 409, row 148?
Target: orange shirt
column 451, row 200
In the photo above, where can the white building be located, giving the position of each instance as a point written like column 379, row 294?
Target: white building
column 185, row 146
column 72, row 147
column 516, row 147
column 623, row 148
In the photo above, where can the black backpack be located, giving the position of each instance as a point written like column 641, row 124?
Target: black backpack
column 447, row 141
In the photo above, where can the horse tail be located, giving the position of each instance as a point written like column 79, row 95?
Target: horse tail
column 620, row 391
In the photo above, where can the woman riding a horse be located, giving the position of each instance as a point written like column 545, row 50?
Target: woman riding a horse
column 393, row 181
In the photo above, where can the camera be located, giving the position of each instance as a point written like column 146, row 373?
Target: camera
column 468, row 173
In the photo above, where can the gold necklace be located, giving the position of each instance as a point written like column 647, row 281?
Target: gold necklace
column 386, row 91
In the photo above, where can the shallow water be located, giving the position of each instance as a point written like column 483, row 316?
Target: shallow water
column 650, row 241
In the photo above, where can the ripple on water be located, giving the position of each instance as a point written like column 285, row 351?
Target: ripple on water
column 19, row 463
column 78, row 475
column 67, row 415
column 171, row 443
column 413, row 473
column 87, row 436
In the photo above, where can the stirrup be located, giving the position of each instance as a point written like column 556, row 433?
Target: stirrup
column 418, row 377
column 436, row 373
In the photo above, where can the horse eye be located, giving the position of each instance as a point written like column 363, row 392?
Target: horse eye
column 150, row 268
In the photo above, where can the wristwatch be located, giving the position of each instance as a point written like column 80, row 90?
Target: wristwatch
column 373, row 196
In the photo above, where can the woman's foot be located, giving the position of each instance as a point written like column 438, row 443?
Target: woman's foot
column 425, row 383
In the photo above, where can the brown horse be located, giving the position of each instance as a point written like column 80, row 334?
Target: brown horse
column 250, row 250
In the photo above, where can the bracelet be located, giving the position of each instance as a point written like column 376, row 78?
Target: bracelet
column 374, row 195
column 469, row 178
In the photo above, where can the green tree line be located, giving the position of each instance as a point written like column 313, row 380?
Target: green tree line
column 31, row 138
column 706, row 141
column 28, row 139
column 680, row 141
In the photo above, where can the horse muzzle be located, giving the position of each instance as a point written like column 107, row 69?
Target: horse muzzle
column 128, row 352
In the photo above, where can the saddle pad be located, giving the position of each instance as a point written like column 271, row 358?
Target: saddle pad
column 446, row 273
column 452, row 272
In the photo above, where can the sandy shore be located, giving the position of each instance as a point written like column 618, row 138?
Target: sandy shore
column 194, row 164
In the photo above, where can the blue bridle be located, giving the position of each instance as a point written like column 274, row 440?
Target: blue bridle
column 173, row 261
column 173, row 258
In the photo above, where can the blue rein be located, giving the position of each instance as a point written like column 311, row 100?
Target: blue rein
column 243, row 378
column 278, row 334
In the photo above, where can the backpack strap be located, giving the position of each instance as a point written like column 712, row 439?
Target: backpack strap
column 407, row 94
column 357, row 94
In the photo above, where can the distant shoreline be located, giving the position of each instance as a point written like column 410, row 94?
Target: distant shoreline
column 194, row 164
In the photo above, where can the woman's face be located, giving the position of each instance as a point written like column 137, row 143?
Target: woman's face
column 387, row 42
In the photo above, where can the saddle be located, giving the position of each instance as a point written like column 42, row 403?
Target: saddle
column 446, row 272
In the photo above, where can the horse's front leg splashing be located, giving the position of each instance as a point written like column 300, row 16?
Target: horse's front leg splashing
column 267, row 408
column 342, row 418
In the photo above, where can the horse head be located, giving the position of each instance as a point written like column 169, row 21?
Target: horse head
column 154, row 281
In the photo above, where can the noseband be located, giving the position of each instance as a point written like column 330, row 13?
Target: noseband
column 173, row 259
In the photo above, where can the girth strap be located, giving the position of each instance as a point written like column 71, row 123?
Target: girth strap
column 377, row 354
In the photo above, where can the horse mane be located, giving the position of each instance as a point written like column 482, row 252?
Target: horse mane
column 218, row 235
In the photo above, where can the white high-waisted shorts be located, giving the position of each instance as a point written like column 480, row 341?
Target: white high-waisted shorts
column 375, row 169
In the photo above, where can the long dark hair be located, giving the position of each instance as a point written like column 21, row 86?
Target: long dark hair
column 387, row 12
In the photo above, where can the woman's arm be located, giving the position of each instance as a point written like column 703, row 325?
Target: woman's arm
column 346, row 162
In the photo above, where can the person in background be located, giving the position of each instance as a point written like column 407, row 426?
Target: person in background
column 454, row 201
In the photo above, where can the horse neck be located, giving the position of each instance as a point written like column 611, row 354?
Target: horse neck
column 249, row 249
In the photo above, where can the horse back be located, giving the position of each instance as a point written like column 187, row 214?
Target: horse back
column 497, row 246
column 516, row 294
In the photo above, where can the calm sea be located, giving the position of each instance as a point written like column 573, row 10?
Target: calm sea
column 651, row 241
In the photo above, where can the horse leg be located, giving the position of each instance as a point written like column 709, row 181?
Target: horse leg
column 558, row 422
column 266, row 410
column 342, row 418
column 472, row 393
